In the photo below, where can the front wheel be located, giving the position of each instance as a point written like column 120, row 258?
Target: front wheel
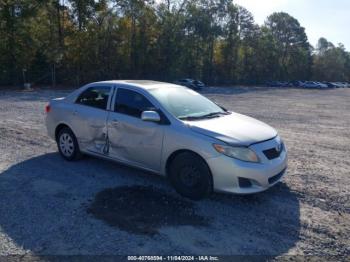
column 68, row 145
column 190, row 176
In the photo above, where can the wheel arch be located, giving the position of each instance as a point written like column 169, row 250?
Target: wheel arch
column 173, row 155
column 59, row 127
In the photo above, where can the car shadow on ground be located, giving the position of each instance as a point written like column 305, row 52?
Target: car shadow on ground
column 51, row 206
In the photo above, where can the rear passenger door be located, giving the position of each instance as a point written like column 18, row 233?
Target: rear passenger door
column 90, row 118
column 133, row 140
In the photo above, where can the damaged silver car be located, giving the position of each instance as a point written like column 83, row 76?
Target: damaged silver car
column 169, row 130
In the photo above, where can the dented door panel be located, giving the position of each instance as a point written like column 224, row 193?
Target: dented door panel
column 91, row 130
column 89, row 118
column 134, row 141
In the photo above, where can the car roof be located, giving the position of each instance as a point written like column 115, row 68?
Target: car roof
column 143, row 84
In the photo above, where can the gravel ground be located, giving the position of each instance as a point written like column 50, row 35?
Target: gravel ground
column 49, row 206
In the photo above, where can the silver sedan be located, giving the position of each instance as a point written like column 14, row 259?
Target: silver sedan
column 169, row 130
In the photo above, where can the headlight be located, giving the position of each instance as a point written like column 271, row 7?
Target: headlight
column 241, row 153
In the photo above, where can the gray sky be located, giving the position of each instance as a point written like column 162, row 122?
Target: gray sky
column 321, row 18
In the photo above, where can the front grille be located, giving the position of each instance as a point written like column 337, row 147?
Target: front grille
column 273, row 179
column 273, row 153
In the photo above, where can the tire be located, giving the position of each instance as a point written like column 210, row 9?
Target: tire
column 68, row 145
column 189, row 174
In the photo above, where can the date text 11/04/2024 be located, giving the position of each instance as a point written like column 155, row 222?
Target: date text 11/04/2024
column 173, row 258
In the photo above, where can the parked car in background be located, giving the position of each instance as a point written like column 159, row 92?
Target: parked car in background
column 190, row 83
column 307, row 84
column 321, row 85
column 297, row 83
column 269, row 83
column 344, row 84
column 198, row 84
column 285, row 84
column 312, row 84
column 169, row 130
column 331, row 84
column 337, row 84
column 277, row 83
column 185, row 82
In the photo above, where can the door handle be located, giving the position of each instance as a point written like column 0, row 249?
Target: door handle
column 115, row 122
column 75, row 112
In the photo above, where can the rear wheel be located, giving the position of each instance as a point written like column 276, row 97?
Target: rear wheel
column 190, row 176
column 68, row 145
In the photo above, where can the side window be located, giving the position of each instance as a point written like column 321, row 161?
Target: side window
column 95, row 97
column 131, row 103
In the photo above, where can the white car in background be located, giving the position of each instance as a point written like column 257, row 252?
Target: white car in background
column 311, row 84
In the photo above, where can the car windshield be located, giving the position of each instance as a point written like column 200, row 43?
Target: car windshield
column 185, row 103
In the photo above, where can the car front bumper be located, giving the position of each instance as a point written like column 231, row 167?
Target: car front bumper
column 228, row 173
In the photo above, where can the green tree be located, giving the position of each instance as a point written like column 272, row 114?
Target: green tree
column 292, row 46
column 78, row 41
column 17, row 46
column 330, row 63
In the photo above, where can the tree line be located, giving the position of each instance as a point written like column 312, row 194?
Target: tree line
column 217, row 41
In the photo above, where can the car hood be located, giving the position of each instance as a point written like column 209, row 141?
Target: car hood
column 235, row 129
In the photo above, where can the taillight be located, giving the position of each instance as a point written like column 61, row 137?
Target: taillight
column 47, row 108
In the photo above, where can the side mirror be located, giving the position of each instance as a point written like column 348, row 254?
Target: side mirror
column 151, row 116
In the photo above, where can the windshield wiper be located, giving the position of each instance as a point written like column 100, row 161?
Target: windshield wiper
column 214, row 114
column 210, row 115
column 190, row 117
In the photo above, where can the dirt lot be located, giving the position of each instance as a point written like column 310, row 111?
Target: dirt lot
column 49, row 206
